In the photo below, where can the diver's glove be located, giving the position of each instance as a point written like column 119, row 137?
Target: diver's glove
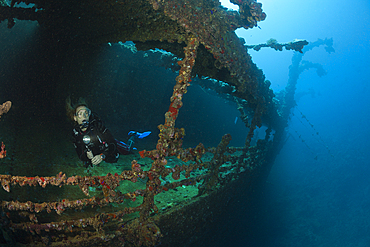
column 97, row 159
column 89, row 155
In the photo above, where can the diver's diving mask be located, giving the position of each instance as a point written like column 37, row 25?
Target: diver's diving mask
column 84, row 112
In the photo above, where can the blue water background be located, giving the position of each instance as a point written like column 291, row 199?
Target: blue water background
column 318, row 192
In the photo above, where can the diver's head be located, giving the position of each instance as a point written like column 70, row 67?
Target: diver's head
column 82, row 116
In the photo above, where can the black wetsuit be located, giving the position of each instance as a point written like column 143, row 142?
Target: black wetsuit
column 97, row 139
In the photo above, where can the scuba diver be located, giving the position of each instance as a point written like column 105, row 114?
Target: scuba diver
column 92, row 140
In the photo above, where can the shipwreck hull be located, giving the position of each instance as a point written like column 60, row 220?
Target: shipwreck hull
column 223, row 215
column 183, row 216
